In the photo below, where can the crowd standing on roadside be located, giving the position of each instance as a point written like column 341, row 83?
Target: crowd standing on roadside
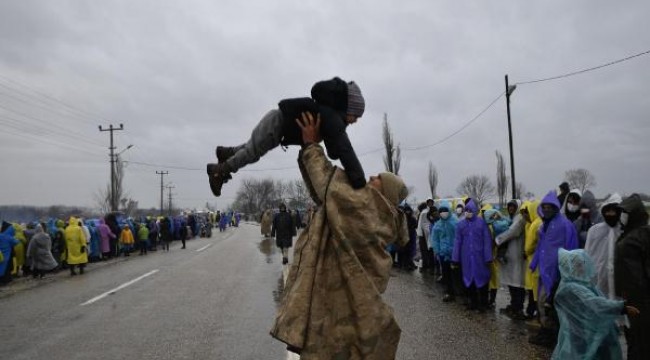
column 580, row 269
column 39, row 248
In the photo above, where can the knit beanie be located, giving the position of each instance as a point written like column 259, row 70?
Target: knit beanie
column 393, row 188
column 356, row 103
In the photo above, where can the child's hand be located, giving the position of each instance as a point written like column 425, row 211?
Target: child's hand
column 310, row 128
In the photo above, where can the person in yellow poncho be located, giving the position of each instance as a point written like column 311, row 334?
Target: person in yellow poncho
column 127, row 240
column 75, row 243
column 531, row 279
column 19, row 249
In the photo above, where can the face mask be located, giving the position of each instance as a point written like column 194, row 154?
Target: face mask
column 459, row 211
column 548, row 213
column 444, row 215
column 469, row 215
column 625, row 217
column 572, row 207
column 612, row 221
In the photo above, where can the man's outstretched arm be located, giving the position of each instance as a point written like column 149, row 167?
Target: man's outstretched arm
column 317, row 167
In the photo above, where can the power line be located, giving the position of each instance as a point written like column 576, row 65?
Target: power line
column 467, row 124
column 585, row 70
column 85, row 113
column 50, row 141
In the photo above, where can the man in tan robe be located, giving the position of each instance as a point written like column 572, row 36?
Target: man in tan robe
column 332, row 306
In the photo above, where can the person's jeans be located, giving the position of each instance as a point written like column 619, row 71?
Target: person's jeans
column 266, row 136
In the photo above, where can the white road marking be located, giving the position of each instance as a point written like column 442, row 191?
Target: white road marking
column 203, row 248
column 113, row 291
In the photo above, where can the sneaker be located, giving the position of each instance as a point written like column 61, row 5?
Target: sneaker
column 224, row 153
column 218, row 175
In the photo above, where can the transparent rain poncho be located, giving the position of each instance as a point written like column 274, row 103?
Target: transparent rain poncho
column 587, row 318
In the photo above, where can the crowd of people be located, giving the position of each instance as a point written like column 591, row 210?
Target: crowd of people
column 580, row 270
column 38, row 248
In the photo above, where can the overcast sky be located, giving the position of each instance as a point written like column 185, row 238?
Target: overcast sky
column 185, row 76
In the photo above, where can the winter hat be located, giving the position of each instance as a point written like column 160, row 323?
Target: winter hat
column 393, row 188
column 356, row 103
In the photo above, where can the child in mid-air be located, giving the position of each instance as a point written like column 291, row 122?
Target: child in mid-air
column 338, row 103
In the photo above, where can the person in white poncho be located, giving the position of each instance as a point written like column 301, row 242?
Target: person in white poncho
column 601, row 241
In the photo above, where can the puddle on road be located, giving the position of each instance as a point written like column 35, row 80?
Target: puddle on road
column 267, row 247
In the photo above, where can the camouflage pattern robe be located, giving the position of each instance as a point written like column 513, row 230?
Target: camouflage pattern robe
column 332, row 306
column 265, row 224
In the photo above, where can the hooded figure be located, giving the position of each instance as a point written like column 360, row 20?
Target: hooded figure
column 632, row 273
column 39, row 252
column 7, row 244
column 441, row 240
column 556, row 232
column 531, row 280
column 283, row 229
column 572, row 208
column 20, row 248
column 587, row 318
column 513, row 269
column 601, row 242
column 265, row 225
column 75, row 241
column 106, row 235
column 332, row 306
column 589, row 216
column 473, row 250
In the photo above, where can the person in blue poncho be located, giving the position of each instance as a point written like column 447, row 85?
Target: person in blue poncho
column 441, row 240
column 7, row 243
column 587, row 317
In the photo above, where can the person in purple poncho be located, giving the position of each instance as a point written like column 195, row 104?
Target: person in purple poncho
column 556, row 233
column 106, row 235
column 473, row 252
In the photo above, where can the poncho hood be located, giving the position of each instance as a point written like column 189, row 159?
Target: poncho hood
column 471, row 206
column 576, row 266
column 638, row 216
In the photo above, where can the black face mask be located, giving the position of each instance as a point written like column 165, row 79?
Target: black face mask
column 612, row 221
column 549, row 214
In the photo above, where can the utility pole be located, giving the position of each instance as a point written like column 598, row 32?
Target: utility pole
column 169, row 189
column 162, row 188
column 509, row 90
column 112, row 155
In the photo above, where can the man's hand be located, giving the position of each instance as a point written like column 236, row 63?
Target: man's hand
column 310, row 128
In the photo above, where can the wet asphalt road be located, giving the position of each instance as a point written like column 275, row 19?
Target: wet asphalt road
column 217, row 300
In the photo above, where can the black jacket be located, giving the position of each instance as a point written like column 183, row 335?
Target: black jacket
column 330, row 101
column 632, row 257
column 283, row 229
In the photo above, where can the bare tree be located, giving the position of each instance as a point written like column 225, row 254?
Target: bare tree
column 580, row 179
column 433, row 179
column 502, row 179
column 478, row 187
column 255, row 195
column 393, row 157
column 103, row 197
